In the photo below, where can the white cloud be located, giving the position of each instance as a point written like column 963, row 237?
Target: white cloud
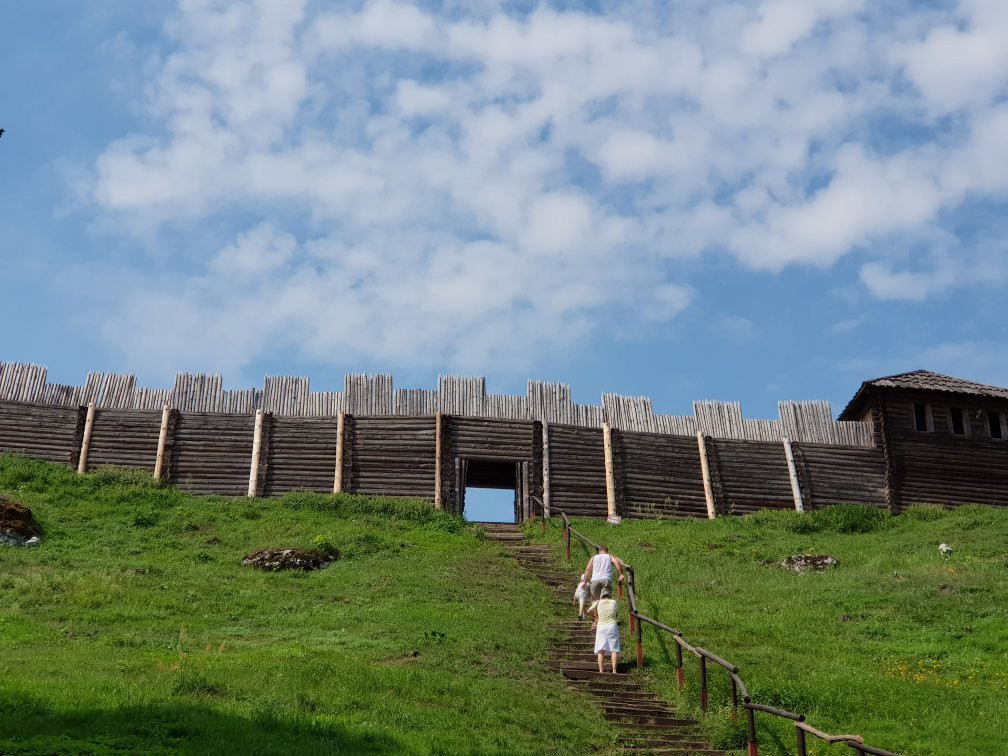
column 446, row 184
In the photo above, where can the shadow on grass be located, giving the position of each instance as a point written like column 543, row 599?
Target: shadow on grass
column 28, row 726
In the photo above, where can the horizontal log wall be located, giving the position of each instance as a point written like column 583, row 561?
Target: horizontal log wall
column 212, row 453
column 753, row 476
column 301, row 456
column 842, row 474
column 41, row 431
column 124, row 438
column 943, row 467
column 392, row 456
column 577, row 471
column 660, row 476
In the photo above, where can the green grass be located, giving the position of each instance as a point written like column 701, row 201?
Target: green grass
column 896, row 643
column 133, row 627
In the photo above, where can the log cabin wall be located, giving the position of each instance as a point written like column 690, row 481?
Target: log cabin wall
column 939, row 466
column 753, row 476
column 124, row 438
column 41, row 431
column 301, row 455
column 841, row 475
column 660, row 476
column 212, row 453
column 388, row 455
column 577, row 470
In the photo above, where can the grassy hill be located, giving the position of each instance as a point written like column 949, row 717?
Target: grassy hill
column 897, row 643
column 134, row 627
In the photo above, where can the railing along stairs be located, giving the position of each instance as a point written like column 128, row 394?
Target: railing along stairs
column 739, row 691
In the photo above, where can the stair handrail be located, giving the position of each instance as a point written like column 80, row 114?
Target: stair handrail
column 738, row 687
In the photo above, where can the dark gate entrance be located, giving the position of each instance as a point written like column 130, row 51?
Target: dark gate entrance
column 498, row 475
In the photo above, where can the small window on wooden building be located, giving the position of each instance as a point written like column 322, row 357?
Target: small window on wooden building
column 923, row 420
column 958, row 420
column 996, row 424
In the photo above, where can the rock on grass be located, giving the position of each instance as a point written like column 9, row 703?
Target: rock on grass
column 17, row 524
column 806, row 562
column 274, row 560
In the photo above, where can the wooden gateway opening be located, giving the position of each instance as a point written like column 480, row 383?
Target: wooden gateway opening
column 489, row 476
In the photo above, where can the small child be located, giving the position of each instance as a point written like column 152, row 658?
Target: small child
column 581, row 595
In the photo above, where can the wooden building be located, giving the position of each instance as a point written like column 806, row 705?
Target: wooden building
column 943, row 439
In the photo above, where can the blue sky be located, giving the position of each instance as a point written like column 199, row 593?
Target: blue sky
column 753, row 201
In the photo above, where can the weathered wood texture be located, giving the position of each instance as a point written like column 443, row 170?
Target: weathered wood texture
column 41, row 431
column 753, row 476
column 840, row 475
column 483, row 438
column 661, row 476
column 212, row 453
column 943, row 467
column 124, row 438
column 577, row 470
column 375, row 395
column 302, row 455
column 392, row 455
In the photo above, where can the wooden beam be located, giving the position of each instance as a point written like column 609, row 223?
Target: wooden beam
column 708, row 489
column 438, row 428
column 340, row 435
column 546, row 469
column 161, row 443
column 86, row 440
column 610, row 479
column 253, row 484
column 799, row 505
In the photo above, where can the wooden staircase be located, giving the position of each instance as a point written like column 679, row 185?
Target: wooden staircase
column 648, row 724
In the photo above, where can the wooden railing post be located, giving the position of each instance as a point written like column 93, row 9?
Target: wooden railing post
column 680, row 676
column 162, row 442
column 340, row 435
column 800, row 736
column 708, row 488
column 640, row 644
column 751, row 732
column 253, row 485
column 799, row 505
column 703, row 684
column 734, row 699
column 86, row 440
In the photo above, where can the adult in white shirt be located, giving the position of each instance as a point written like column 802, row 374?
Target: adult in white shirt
column 599, row 569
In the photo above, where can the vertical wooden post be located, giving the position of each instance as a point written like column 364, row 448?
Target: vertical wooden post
column 256, row 448
column 340, row 433
column 610, row 481
column 161, row 443
column 86, row 440
column 799, row 505
column 703, row 684
column 438, row 427
column 708, row 489
column 546, row 470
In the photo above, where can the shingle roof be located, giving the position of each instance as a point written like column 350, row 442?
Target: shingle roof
column 925, row 380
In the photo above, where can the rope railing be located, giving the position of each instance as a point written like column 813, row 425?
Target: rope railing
column 739, row 691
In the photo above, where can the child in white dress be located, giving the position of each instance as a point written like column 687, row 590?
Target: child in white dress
column 581, row 595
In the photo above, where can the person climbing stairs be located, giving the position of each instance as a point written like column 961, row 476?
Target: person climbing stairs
column 648, row 724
